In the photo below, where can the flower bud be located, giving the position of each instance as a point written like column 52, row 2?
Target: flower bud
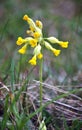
column 26, row 18
column 23, row 49
column 63, row 44
column 56, row 52
column 33, row 60
column 42, row 126
column 39, row 24
column 47, row 45
column 53, row 40
column 37, row 50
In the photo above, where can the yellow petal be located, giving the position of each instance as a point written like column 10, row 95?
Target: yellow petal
column 36, row 35
column 40, row 56
column 63, row 44
column 20, row 41
column 25, row 17
column 56, row 52
column 33, row 42
column 23, row 49
column 33, row 60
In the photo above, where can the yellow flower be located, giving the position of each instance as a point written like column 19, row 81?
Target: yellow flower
column 55, row 40
column 33, row 60
column 23, row 49
column 20, row 41
column 26, row 18
column 63, row 44
column 33, row 42
column 56, row 52
column 33, row 27
column 40, row 56
column 36, row 35
column 39, row 24
column 30, row 22
column 48, row 46
column 36, row 40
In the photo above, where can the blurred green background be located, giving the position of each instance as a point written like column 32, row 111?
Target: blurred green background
column 60, row 18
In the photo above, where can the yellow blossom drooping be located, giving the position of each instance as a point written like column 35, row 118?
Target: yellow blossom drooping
column 40, row 56
column 20, row 41
column 36, row 41
column 23, row 49
column 33, row 60
column 63, row 44
column 56, row 52
column 55, row 40
column 33, row 42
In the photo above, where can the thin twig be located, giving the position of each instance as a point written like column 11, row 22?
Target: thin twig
column 3, row 86
column 56, row 88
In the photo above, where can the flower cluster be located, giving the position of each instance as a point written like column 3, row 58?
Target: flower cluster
column 36, row 41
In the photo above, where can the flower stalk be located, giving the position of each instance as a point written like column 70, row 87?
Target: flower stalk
column 41, row 88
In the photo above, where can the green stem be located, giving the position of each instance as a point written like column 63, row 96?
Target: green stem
column 40, row 78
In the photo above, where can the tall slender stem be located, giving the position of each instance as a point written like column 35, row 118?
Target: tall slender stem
column 40, row 78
